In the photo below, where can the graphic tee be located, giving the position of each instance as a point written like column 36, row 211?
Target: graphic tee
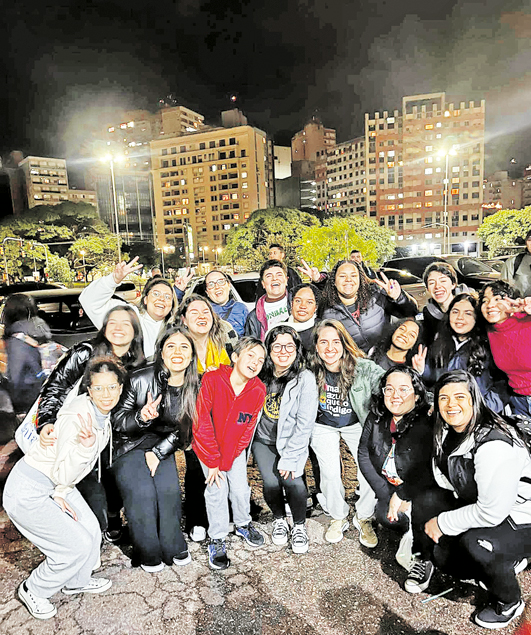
column 276, row 312
column 266, row 431
column 333, row 411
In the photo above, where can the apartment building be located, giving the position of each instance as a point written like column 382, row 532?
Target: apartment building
column 207, row 182
column 83, row 196
column 500, row 191
column 44, row 181
column 345, row 185
column 424, row 169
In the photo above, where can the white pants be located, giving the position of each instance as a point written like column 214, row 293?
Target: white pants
column 325, row 444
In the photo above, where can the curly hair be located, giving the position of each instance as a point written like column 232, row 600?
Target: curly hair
column 497, row 287
column 330, row 296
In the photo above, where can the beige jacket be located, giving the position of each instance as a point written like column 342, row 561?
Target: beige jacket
column 67, row 461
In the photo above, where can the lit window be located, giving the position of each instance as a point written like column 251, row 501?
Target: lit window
column 428, row 126
column 429, row 204
column 438, row 135
column 244, row 175
column 111, row 129
column 123, row 126
column 428, row 193
column 455, row 168
column 244, row 186
column 428, row 171
column 438, row 125
column 131, row 124
column 447, row 113
column 429, row 148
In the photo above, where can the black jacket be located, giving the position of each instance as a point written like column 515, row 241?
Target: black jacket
column 413, row 453
column 129, row 429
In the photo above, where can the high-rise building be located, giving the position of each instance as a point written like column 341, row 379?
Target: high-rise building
column 500, row 191
column 207, row 182
column 45, row 180
column 424, row 170
column 345, row 184
column 526, row 187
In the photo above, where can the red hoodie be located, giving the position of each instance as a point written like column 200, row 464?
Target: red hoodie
column 225, row 421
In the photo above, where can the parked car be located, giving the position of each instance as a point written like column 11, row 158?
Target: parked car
column 410, row 284
column 127, row 291
column 243, row 288
column 496, row 263
column 21, row 287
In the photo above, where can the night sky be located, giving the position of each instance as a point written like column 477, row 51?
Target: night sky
column 286, row 60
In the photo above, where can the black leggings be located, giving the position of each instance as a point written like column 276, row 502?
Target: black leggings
column 194, row 507
column 267, row 458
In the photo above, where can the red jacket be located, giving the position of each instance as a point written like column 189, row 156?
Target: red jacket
column 225, row 421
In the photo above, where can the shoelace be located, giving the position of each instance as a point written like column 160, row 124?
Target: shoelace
column 299, row 535
column 417, row 570
column 219, row 547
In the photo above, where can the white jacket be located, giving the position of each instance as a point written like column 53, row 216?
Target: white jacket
column 67, row 461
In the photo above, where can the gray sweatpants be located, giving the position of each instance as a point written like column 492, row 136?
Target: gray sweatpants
column 72, row 548
column 234, row 486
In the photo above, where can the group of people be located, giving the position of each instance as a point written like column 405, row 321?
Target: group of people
column 427, row 403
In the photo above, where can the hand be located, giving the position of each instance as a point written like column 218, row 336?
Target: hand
column 181, row 282
column 65, row 506
column 433, row 530
column 394, row 507
column 151, row 409
column 214, row 476
column 518, row 305
column 123, row 269
column 47, row 436
column 286, row 474
column 312, row 272
column 152, row 462
column 86, row 436
column 418, row 361
column 391, row 287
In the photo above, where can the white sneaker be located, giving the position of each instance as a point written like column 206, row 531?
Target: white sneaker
column 299, row 539
column 152, row 568
column 41, row 608
column 198, row 533
column 182, row 559
column 95, row 585
column 335, row 530
column 279, row 535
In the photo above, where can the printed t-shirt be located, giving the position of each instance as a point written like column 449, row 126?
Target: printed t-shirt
column 276, row 312
column 266, row 431
column 333, row 411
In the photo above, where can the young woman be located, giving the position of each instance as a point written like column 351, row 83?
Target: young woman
column 479, row 520
column 23, row 332
column 346, row 382
column 41, row 499
column 394, row 453
column 462, row 344
column 362, row 306
column 398, row 345
column 153, row 420
column 282, row 436
column 509, row 329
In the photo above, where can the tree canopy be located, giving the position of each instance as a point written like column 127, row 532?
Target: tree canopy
column 504, row 228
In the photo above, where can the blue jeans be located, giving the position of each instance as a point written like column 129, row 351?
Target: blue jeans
column 521, row 405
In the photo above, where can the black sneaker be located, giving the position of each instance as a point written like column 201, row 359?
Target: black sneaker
column 113, row 535
column 499, row 615
column 251, row 535
column 419, row 576
column 217, row 555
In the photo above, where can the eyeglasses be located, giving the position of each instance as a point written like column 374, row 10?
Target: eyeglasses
column 167, row 297
column 217, row 283
column 289, row 348
column 99, row 390
column 402, row 391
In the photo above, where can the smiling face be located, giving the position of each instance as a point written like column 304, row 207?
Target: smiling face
column 399, row 395
column 441, row 288
column 456, row 406
column 405, row 336
column 330, row 349
column 198, row 318
column 462, row 318
column 494, row 307
column 275, row 281
column 158, row 302
column 104, row 391
column 347, row 282
column 249, row 362
column 119, row 331
column 304, row 305
column 276, row 254
column 283, row 352
column 217, row 288
column 177, row 353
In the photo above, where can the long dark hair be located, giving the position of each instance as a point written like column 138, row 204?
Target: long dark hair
column 18, row 307
column 351, row 353
column 386, row 340
column 267, row 374
column 478, row 348
column 217, row 333
column 498, row 287
column 190, row 387
column 153, row 282
column 135, row 355
column 103, row 364
column 331, row 297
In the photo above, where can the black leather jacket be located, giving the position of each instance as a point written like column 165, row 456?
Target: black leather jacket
column 130, row 430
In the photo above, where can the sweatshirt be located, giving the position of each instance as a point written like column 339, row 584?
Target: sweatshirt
column 510, row 343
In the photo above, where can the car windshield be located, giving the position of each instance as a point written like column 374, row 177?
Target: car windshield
column 471, row 266
column 402, row 277
column 246, row 289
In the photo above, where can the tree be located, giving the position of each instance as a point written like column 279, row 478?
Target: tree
column 101, row 251
column 59, row 269
column 324, row 246
column 248, row 244
column 504, row 228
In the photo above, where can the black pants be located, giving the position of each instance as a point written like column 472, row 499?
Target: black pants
column 382, row 507
column 267, row 458
column 194, row 488
column 152, row 506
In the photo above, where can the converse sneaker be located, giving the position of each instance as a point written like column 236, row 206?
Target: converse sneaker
column 335, row 530
column 198, row 533
column 299, row 539
column 499, row 615
column 41, row 608
column 217, row 555
column 251, row 535
column 182, row 559
column 419, row 577
column 367, row 537
column 152, row 568
column 112, row 535
column 279, row 535
column 95, row 585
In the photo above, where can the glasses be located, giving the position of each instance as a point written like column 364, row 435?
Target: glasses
column 289, row 348
column 402, row 391
column 165, row 296
column 99, row 390
column 216, row 283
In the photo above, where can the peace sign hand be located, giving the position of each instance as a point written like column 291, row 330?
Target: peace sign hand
column 312, row 272
column 181, row 282
column 150, row 410
column 391, row 287
column 123, row 269
column 418, row 361
column 87, row 436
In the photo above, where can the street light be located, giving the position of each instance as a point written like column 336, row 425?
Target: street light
column 217, row 252
column 111, row 159
column 446, row 232
column 168, row 249
column 446, row 156
column 202, row 250
column 466, row 245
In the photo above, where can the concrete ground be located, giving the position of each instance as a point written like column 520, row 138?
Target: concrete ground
column 341, row 589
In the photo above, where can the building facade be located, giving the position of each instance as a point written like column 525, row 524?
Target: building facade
column 44, row 180
column 344, row 188
column 207, row 182
column 500, row 191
